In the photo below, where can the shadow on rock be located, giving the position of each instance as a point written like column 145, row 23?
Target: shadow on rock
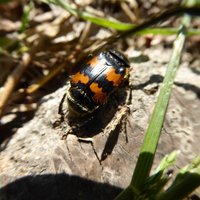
column 57, row 187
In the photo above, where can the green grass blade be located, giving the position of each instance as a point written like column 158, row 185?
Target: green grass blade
column 94, row 19
column 190, row 182
column 149, row 146
column 186, row 181
column 167, row 161
column 147, row 152
column 108, row 23
column 114, row 24
column 167, row 31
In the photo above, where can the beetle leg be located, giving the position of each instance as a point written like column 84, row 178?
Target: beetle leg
column 113, row 131
column 129, row 96
column 90, row 141
column 57, row 122
column 60, row 108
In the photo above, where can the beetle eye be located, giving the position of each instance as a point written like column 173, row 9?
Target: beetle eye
column 121, row 70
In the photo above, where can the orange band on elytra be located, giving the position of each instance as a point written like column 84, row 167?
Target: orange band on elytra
column 99, row 95
column 79, row 77
column 111, row 75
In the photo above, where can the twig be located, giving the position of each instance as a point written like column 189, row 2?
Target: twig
column 39, row 83
column 12, row 81
column 128, row 11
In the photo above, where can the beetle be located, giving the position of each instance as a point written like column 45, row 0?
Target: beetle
column 91, row 86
